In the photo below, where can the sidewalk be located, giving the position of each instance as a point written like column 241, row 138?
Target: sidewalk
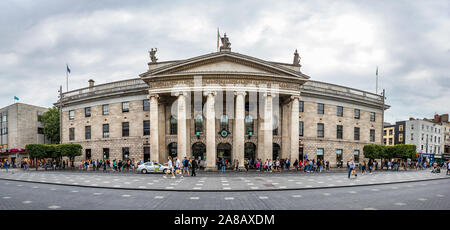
column 217, row 181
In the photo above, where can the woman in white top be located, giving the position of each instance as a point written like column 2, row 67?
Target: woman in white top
column 169, row 163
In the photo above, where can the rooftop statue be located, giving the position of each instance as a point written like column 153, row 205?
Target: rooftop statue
column 152, row 53
column 296, row 59
column 225, row 43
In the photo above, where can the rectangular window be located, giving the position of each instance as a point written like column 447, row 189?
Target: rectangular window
column 384, row 141
column 338, row 155
column 106, row 153
column 301, row 105
column 71, row 115
column 390, row 132
column 356, row 113
column 320, row 130
column 339, row 131
column 320, row 108
column 146, row 128
column 88, row 154
column 105, row 109
column 412, row 136
column 372, row 116
column 4, row 117
column 384, row 132
column 71, row 134
column 125, row 153
column 400, row 137
column 340, row 111
column 87, row 132
column 39, row 116
column 125, row 107
column 87, row 111
column 412, row 126
column 125, row 129
column 400, row 128
column 372, row 135
column 356, row 133
column 105, row 130
column 146, row 105
column 320, row 152
column 40, row 130
column 390, row 141
column 356, row 155
column 300, row 126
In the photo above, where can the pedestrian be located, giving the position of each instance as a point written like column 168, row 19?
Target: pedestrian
column 327, row 165
column 194, row 166
column 170, row 170
column 185, row 167
column 6, row 165
column 223, row 165
column 363, row 171
column 448, row 167
column 351, row 168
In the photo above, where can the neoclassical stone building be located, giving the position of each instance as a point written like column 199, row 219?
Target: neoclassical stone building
column 222, row 105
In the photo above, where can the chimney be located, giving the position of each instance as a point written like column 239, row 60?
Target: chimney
column 436, row 118
column 411, row 118
column 91, row 83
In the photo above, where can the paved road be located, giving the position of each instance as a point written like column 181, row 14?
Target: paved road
column 218, row 181
column 430, row 195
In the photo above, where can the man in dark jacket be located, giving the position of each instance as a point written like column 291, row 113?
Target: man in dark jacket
column 193, row 167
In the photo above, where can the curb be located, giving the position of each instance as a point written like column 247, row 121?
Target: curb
column 236, row 190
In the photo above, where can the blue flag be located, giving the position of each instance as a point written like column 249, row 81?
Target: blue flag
column 68, row 70
column 16, row 98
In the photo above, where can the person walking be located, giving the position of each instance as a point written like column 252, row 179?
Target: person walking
column 351, row 168
column 170, row 170
column 186, row 163
column 448, row 167
column 194, row 166
column 6, row 164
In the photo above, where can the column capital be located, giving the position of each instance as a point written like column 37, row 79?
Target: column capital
column 150, row 95
column 295, row 97
column 240, row 92
column 179, row 93
column 207, row 93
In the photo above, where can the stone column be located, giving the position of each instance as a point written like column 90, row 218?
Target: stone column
column 154, row 128
column 239, row 128
column 181, row 126
column 285, row 132
column 294, row 127
column 210, row 132
column 268, row 126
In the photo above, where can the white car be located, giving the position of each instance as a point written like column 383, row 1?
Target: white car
column 152, row 167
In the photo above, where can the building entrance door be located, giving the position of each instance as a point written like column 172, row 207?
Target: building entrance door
column 172, row 148
column 198, row 151
column 224, row 152
column 275, row 151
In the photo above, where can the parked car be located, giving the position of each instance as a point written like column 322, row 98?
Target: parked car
column 152, row 167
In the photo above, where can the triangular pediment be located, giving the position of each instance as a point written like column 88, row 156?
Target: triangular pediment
column 225, row 62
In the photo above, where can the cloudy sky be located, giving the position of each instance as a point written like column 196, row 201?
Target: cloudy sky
column 340, row 42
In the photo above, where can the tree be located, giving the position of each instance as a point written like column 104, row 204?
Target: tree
column 36, row 151
column 70, row 150
column 50, row 120
column 371, row 151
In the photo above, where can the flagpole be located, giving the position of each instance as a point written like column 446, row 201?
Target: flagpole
column 67, row 80
column 376, row 90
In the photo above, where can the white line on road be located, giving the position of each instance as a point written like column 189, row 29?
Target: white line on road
column 422, row 199
column 297, row 196
column 400, row 204
column 370, row 209
column 194, row 198
column 125, row 195
column 229, row 198
column 159, row 197
column 263, row 197
column 54, row 207
column 6, row 197
column 27, row 202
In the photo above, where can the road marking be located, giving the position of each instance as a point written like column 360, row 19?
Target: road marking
column 226, row 188
column 197, row 188
column 54, row 207
column 394, row 187
column 27, row 202
column 125, row 195
column 400, row 204
column 422, row 199
column 331, row 185
column 375, row 190
column 169, row 187
column 282, row 186
column 150, row 183
column 326, row 194
column 297, row 196
column 320, row 182
column 159, row 197
column 199, row 184
column 353, row 192
column 53, row 189
column 19, row 185
column 94, row 184
column 6, row 197
column 116, row 186
column 440, row 195
column 254, row 187
column 74, row 191
column 35, row 187
column 370, row 209
column 263, row 197
column 298, row 182
column 229, row 198
column 225, row 184
column 142, row 187
column 97, row 194
column 308, row 186
column 194, row 198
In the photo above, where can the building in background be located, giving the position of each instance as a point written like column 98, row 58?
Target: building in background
column 20, row 125
column 445, row 145
column 389, row 134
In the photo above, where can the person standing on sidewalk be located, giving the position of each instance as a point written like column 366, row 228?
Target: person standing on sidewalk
column 194, row 166
column 6, row 164
column 185, row 167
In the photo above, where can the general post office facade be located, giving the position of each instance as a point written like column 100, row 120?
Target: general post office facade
column 222, row 105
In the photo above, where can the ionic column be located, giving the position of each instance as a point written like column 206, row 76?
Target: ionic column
column 154, row 128
column 181, row 126
column 268, row 126
column 239, row 128
column 210, row 132
column 294, row 129
column 285, row 132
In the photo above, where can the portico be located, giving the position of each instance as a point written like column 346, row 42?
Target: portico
column 220, row 99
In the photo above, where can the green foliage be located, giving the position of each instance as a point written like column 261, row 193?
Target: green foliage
column 70, row 150
column 397, row 151
column 50, row 120
column 36, row 150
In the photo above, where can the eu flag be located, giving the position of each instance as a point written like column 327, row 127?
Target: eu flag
column 68, row 70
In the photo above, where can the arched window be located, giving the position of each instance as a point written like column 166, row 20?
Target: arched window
column 249, row 124
column 173, row 125
column 224, row 122
column 198, row 122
